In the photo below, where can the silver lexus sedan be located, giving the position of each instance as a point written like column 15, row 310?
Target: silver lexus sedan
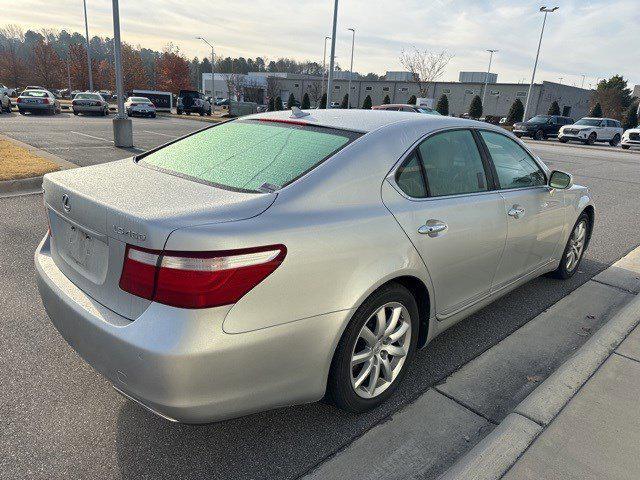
column 281, row 257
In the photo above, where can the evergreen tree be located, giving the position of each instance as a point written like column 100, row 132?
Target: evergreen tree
column 323, row 101
column 443, row 105
column 277, row 104
column 367, row 103
column 345, row 101
column 386, row 100
column 631, row 117
column 412, row 100
column 306, row 102
column 292, row 101
column 516, row 112
column 596, row 111
column 475, row 109
column 272, row 105
column 554, row 109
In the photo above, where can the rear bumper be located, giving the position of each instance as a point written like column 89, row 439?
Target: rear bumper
column 36, row 108
column 180, row 364
column 88, row 108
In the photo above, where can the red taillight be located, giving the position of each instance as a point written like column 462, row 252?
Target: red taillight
column 45, row 100
column 197, row 279
column 19, row 100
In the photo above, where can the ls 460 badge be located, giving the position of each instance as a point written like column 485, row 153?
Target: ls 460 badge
column 130, row 233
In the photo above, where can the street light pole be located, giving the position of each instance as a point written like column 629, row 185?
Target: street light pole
column 353, row 42
column 324, row 68
column 122, row 128
column 486, row 79
column 213, row 78
column 332, row 57
column 86, row 30
column 583, row 75
column 535, row 65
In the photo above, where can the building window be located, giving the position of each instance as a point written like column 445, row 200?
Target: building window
column 494, row 92
column 404, row 89
column 468, row 92
column 368, row 89
column 446, row 90
column 336, row 87
column 521, row 94
column 385, row 89
column 296, row 85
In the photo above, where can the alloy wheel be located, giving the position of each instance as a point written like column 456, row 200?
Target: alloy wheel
column 380, row 350
column 576, row 245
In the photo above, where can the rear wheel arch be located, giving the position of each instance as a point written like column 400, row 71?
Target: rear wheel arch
column 591, row 214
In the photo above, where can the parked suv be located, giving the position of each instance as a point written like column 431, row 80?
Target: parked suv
column 191, row 101
column 541, row 126
column 591, row 130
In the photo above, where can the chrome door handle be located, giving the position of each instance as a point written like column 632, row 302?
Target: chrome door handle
column 516, row 212
column 432, row 228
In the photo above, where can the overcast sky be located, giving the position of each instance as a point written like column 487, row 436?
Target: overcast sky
column 596, row 38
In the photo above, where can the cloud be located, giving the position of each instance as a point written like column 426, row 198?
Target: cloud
column 596, row 38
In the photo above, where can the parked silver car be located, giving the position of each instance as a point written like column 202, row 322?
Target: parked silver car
column 269, row 260
column 38, row 101
column 90, row 102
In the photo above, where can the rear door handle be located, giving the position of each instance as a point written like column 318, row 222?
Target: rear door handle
column 516, row 212
column 432, row 228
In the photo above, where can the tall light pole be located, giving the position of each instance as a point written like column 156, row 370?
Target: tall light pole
column 324, row 68
column 535, row 65
column 213, row 59
column 560, row 78
column 486, row 79
column 86, row 31
column 332, row 56
column 353, row 42
column 583, row 76
column 122, row 128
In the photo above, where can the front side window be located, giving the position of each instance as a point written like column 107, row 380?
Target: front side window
column 250, row 155
column 453, row 164
column 514, row 166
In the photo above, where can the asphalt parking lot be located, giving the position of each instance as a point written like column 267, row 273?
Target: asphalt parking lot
column 61, row 420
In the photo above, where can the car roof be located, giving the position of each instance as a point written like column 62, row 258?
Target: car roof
column 394, row 105
column 365, row 121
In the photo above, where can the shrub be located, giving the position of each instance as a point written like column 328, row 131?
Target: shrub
column 412, row 100
column 271, row 107
column 596, row 111
column 386, row 100
column 367, row 103
column 631, row 117
column 443, row 105
column 345, row 101
column 554, row 109
column 277, row 105
column 292, row 100
column 516, row 112
column 323, row 101
column 475, row 109
column 306, row 102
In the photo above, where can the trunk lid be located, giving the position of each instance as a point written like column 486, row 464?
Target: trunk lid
column 95, row 211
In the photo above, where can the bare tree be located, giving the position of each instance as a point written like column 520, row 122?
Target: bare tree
column 273, row 87
column 235, row 84
column 315, row 92
column 12, row 69
column 425, row 66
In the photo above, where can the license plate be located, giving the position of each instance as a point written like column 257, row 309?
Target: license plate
column 28, row 100
column 78, row 245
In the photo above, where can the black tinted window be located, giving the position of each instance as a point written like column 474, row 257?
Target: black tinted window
column 453, row 164
column 514, row 165
column 410, row 179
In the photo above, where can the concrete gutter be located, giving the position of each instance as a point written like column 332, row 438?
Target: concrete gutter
column 29, row 186
column 494, row 455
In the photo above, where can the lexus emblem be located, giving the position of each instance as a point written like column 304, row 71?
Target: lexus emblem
column 66, row 203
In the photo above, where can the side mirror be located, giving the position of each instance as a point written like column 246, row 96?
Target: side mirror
column 560, row 180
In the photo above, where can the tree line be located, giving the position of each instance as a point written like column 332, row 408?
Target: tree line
column 58, row 59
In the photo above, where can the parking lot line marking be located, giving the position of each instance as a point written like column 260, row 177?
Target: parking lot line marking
column 158, row 133
column 91, row 136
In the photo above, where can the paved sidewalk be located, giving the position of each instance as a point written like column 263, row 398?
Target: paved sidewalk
column 597, row 434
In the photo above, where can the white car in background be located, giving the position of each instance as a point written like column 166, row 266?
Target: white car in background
column 141, row 106
column 11, row 92
column 590, row 130
column 631, row 138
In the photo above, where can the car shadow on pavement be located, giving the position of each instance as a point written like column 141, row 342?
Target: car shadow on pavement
column 287, row 442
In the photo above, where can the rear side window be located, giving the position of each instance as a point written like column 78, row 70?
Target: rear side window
column 410, row 179
column 515, row 167
column 453, row 164
column 250, row 155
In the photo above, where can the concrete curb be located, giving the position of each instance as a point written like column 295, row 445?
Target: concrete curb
column 494, row 455
column 26, row 186
column 555, row 142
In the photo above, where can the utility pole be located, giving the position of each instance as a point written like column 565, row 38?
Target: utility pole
column 122, row 127
column 583, row 76
column 324, row 69
column 353, row 42
column 486, row 79
column 86, row 30
column 332, row 57
column 535, row 65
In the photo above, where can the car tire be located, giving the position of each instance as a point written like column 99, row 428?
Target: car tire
column 341, row 386
column 153, row 115
column 519, row 135
column 539, row 135
column 21, row 112
column 576, row 245
column 563, row 140
column 615, row 140
column 591, row 139
column 625, row 147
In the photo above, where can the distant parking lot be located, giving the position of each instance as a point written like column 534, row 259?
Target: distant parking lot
column 87, row 140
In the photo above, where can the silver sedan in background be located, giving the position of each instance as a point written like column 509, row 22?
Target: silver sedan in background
column 140, row 106
column 276, row 258
column 90, row 102
column 38, row 101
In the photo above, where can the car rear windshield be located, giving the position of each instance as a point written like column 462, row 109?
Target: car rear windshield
column 140, row 99
column 87, row 96
column 250, row 155
column 34, row 93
